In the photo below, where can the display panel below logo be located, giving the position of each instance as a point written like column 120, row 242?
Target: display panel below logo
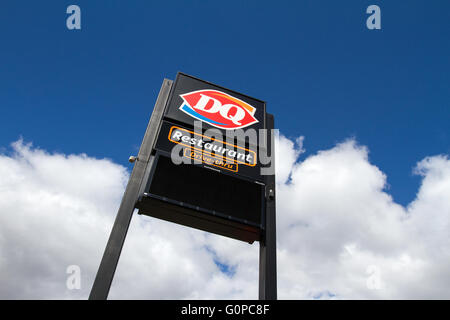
column 231, row 158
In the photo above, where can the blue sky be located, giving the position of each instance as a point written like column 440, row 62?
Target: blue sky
column 323, row 74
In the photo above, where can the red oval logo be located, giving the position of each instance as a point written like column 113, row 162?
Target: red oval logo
column 218, row 109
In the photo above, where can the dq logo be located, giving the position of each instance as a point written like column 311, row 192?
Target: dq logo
column 218, row 109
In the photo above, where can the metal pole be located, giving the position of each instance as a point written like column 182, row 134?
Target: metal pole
column 267, row 245
column 105, row 273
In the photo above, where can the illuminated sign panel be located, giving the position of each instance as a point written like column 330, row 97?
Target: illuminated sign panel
column 194, row 99
column 218, row 109
column 214, row 147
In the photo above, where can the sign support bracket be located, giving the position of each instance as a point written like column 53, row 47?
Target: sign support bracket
column 267, row 244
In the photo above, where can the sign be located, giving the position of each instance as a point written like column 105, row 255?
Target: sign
column 217, row 107
column 231, row 158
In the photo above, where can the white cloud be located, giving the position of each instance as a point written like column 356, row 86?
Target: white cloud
column 336, row 220
column 58, row 211
column 340, row 234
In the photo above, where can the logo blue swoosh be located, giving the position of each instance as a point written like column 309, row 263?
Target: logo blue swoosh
column 191, row 112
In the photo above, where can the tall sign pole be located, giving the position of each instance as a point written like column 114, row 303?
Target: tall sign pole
column 267, row 244
column 108, row 265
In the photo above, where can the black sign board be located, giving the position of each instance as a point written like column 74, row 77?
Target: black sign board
column 215, row 177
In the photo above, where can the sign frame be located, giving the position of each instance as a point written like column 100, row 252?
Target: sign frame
column 135, row 189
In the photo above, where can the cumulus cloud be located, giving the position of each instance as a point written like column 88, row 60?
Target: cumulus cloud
column 340, row 234
column 57, row 211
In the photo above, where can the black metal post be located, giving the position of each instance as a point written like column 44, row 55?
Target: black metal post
column 267, row 244
column 105, row 273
